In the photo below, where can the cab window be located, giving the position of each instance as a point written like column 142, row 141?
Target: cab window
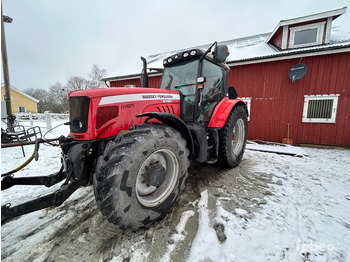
column 213, row 90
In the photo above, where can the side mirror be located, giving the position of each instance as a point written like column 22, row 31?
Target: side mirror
column 201, row 80
column 221, row 53
column 232, row 93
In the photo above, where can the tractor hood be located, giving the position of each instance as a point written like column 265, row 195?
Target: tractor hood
column 115, row 91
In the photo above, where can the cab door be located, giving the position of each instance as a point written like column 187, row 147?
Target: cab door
column 213, row 90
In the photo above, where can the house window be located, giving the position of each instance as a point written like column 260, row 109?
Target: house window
column 320, row 109
column 22, row 109
column 306, row 35
column 248, row 101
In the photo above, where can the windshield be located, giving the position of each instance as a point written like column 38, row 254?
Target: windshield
column 181, row 77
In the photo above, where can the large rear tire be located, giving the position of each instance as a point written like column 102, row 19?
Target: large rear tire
column 233, row 137
column 141, row 175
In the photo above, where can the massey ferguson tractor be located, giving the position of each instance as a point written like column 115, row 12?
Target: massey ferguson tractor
column 135, row 144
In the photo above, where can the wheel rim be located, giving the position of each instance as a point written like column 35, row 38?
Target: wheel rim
column 157, row 177
column 238, row 136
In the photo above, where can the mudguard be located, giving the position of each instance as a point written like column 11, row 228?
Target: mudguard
column 222, row 110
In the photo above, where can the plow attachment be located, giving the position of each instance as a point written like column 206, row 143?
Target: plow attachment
column 54, row 199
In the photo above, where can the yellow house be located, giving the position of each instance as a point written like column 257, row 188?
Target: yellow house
column 20, row 101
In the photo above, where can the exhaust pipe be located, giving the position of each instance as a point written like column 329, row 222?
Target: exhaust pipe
column 144, row 75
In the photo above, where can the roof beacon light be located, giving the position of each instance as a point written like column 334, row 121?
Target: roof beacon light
column 185, row 54
column 193, row 52
column 169, row 60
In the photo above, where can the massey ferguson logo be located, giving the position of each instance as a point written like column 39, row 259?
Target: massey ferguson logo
column 166, row 98
column 156, row 96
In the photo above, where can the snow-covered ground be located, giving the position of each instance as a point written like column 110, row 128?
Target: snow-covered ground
column 271, row 208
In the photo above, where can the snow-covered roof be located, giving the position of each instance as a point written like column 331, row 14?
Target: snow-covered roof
column 248, row 49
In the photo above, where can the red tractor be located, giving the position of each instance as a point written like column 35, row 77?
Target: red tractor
column 136, row 144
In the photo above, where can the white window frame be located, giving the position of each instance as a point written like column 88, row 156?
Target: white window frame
column 248, row 101
column 25, row 109
column 319, row 36
column 331, row 120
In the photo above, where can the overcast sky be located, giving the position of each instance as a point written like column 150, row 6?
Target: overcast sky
column 49, row 41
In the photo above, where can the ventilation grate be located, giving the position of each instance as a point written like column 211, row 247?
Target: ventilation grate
column 320, row 108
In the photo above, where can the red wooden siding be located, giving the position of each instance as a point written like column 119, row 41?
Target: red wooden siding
column 277, row 38
column 277, row 101
column 153, row 81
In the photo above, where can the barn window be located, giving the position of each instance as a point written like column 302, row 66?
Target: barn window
column 320, row 109
column 306, row 35
column 22, row 109
column 248, row 101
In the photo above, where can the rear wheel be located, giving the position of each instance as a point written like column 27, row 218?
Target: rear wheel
column 140, row 175
column 233, row 137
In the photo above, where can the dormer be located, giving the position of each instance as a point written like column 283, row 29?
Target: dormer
column 311, row 30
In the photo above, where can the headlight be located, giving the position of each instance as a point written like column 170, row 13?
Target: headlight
column 77, row 124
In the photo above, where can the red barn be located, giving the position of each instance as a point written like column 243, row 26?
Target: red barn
column 295, row 80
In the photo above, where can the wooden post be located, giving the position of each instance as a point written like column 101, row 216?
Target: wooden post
column 10, row 116
column 31, row 119
column 48, row 121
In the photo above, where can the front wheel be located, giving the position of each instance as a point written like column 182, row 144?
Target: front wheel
column 141, row 175
column 233, row 137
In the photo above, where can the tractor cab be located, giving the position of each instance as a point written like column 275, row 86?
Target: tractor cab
column 200, row 78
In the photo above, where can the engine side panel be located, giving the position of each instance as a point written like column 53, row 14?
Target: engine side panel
column 118, row 112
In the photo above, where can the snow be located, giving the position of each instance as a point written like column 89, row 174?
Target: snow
column 48, row 162
column 273, row 207
column 280, row 149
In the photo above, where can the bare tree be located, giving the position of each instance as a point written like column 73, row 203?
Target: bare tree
column 59, row 96
column 56, row 99
column 42, row 95
column 95, row 76
column 76, row 83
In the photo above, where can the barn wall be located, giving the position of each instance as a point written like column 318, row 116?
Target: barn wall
column 153, row 81
column 277, row 101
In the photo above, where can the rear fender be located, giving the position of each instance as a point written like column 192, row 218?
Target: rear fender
column 222, row 110
column 173, row 121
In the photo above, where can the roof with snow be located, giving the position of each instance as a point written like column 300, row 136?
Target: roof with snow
column 260, row 46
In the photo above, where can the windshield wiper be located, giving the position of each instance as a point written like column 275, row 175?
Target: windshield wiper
column 184, row 85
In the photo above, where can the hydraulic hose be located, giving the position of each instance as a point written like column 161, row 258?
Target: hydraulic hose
column 34, row 155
